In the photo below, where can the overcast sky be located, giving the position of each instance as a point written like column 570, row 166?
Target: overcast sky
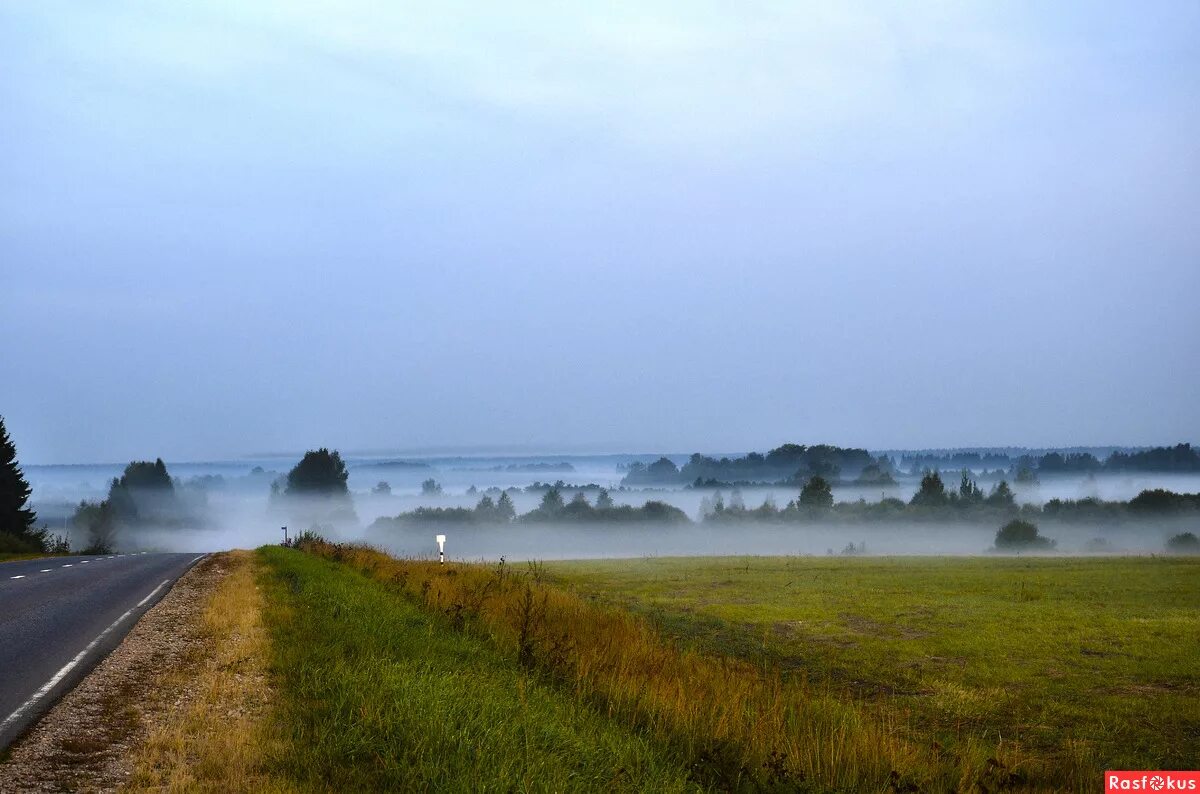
column 235, row 227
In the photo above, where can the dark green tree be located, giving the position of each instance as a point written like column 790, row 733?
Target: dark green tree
column 1018, row 535
column 604, row 501
column 968, row 491
column 504, row 508
column 552, row 502
column 816, row 493
column 431, row 487
column 16, row 517
column 579, row 508
column 144, row 475
column 319, row 473
column 932, row 492
column 1001, row 495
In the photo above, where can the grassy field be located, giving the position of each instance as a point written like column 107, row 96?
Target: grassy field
column 708, row 696
column 1080, row 662
column 378, row 694
column 721, row 674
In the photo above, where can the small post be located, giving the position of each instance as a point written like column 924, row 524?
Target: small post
column 441, row 541
column 285, row 537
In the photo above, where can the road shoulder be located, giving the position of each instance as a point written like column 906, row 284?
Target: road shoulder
column 111, row 729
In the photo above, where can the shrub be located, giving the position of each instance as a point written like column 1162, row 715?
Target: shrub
column 1184, row 543
column 1018, row 535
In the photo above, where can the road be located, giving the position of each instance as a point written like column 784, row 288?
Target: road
column 59, row 616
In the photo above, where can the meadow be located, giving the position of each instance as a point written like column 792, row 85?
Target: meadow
column 1072, row 663
column 847, row 674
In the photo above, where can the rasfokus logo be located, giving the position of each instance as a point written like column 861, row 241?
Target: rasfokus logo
column 1151, row 781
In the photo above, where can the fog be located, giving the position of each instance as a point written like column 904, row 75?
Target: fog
column 230, row 505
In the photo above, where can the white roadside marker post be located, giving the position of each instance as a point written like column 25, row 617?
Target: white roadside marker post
column 441, row 541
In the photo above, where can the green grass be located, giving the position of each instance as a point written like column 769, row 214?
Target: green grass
column 30, row 555
column 375, row 693
column 1090, row 660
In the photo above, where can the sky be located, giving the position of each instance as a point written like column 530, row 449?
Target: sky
column 230, row 228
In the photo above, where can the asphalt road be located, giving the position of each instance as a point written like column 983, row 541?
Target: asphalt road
column 59, row 616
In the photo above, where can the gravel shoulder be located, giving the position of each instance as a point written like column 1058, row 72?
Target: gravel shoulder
column 89, row 741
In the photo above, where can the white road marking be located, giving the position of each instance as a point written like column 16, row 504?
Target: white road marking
column 22, row 576
column 68, row 565
column 84, row 562
column 202, row 556
column 69, row 666
column 44, row 570
column 152, row 592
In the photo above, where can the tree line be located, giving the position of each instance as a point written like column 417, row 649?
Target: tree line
column 934, row 501
column 795, row 464
column 553, row 508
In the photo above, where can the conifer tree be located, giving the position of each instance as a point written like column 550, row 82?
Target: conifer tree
column 16, row 518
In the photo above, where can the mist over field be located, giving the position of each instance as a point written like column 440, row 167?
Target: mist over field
column 229, row 504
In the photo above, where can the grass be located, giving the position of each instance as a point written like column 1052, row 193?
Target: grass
column 30, row 555
column 732, row 722
column 1073, row 664
column 222, row 739
column 752, row 674
column 377, row 693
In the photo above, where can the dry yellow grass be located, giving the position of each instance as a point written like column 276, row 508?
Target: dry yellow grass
column 219, row 740
column 742, row 724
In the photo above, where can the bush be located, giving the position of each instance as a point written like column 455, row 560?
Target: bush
column 1018, row 535
column 15, row 544
column 1184, row 543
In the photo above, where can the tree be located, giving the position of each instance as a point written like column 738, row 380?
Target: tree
column 816, row 493
column 579, row 507
column 144, row 475
column 552, row 502
column 968, row 490
column 1017, row 535
column 1001, row 495
column 101, row 530
column 932, row 492
column 504, row 508
column 145, row 493
column 875, row 474
column 16, row 517
column 1184, row 543
column 382, row 488
column 319, row 473
column 604, row 501
column 1026, row 475
column 431, row 487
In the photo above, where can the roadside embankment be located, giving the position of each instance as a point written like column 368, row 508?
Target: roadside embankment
column 187, row 677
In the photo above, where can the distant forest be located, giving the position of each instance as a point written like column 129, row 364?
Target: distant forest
column 933, row 502
column 793, row 464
